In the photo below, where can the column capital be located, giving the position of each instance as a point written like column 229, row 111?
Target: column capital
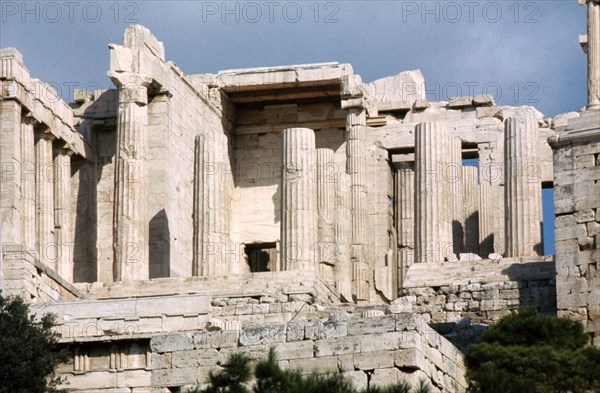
column 46, row 135
column 133, row 87
column 583, row 2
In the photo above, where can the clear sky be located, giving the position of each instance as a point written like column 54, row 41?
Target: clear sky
column 522, row 52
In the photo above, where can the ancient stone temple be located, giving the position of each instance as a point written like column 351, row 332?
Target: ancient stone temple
column 176, row 219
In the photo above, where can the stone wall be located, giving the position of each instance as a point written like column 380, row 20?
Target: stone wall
column 484, row 291
column 372, row 351
column 577, row 209
column 25, row 276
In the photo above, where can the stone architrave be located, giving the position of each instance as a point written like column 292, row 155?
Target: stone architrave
column 298, row 200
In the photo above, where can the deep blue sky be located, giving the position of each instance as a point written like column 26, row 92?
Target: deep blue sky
column 527, row 49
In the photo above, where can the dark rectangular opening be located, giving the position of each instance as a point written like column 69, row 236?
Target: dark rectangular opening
column 262, row 257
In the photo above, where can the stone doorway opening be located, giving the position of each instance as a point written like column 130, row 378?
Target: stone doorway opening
column 262, row 257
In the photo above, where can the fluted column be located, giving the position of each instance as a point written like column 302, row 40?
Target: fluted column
column 63, row 232
column 44, row 200
column 130, row 224
column 433, row 230
column 10, row 157
column 326, row 177
column 523, row 190
column 453, row 174
column 343, row 236
column 405, row 212
column 298, row 200
column 470, row 188
column 593, row 52
column 215, row 246
column 356, row 167
column 486, row 220
column 198, row 263
column 28, row 183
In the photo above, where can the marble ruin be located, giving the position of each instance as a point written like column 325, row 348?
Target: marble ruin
column 178, row 218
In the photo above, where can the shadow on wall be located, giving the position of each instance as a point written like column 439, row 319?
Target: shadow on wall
column 536, row 283
column 159, row 253
column 85, row 253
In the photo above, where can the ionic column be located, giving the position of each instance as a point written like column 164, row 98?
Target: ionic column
column 326, row 182
column 405, row 208
column 198, row 263
column 130, row 224
column 298, row 200
column 433, row 230
column 28, row 183
column 44, row 200
column 470, row 188
column 523, row 190
column 343, row 237
column 63, row 232
column 593, row 52
column 356, row 167
column 486, row 220
column 453, row 174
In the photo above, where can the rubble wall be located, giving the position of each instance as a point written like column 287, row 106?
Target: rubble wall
column 484, row 291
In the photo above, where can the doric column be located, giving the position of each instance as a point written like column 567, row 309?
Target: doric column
column 215, row 247
column 453, row 174
column 130, row 225
column 10, row 157
column 523, row 190
column 405, row 212
column 326, row 177
column 198, row 263
column 470, row 188
column 433, row 230
column 343, row 236
column 593, row 52
column 486, row 220
column 44, row 200
column 63, row 233
column 356, row 167
column 298, row 200
column 28, row 183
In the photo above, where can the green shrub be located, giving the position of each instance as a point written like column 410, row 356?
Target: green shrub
column 527, row 352
column 29, row 351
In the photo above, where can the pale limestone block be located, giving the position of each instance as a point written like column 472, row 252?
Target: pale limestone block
column 172, row 342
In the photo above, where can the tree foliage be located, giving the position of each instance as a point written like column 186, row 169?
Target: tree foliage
column 29, row 351
column 528, row 352
column 236, row 377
